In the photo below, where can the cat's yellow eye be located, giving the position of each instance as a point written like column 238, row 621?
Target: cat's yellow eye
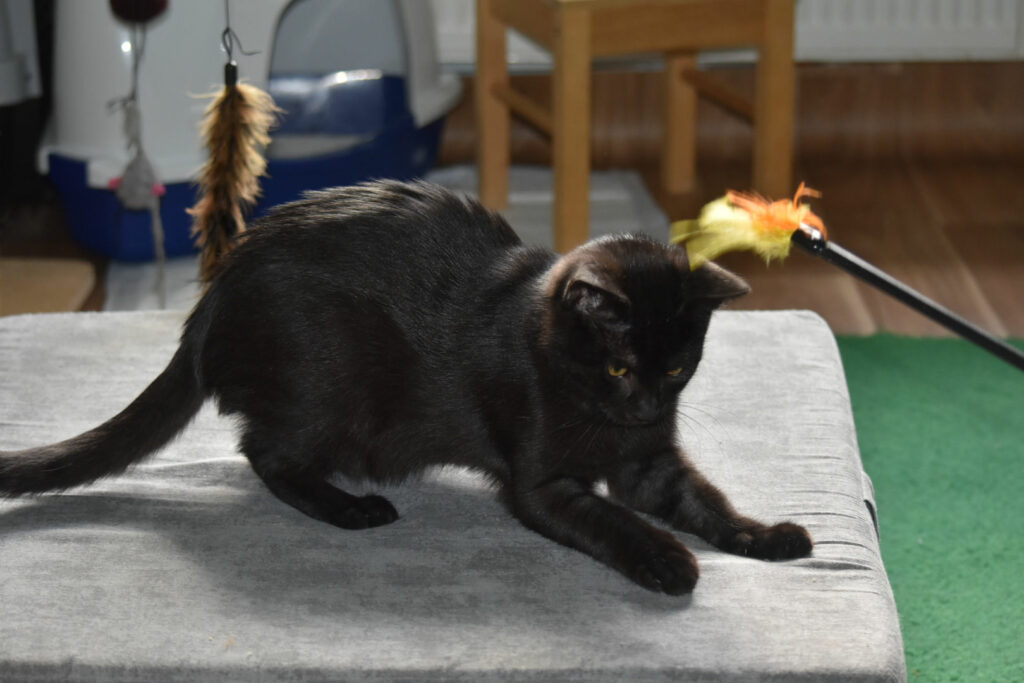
column 673, row 373
column 616, row 371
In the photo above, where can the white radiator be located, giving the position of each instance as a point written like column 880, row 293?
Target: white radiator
column 826, row 30
column 908, row 30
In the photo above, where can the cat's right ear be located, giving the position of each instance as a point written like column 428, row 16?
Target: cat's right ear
column 595, row 294
column 714, row 283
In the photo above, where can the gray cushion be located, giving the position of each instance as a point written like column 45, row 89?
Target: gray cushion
column 186, row 568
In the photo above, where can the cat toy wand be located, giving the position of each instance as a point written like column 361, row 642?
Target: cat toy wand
column 748, row 221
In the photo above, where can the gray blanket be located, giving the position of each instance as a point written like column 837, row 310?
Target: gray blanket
column 187, row 569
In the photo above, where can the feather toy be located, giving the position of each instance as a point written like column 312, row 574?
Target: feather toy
column 235, row 130
column 746, row 221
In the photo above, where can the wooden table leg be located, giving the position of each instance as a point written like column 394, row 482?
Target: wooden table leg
column 679, row 154
column 571, row 133
column 492, row 115
column 774, row 103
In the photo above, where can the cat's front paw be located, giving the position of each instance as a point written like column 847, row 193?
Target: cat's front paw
column 664, row 568
column 785, row 541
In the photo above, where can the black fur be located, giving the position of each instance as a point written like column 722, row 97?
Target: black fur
column 375, row 330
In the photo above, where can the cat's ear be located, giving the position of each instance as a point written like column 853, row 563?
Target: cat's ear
column 595, row 293
column 713, row 282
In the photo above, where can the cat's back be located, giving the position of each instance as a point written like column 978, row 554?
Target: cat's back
column 410, row 258
column 402, row 233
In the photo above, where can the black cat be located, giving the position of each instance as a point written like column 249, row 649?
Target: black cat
column 376, row 330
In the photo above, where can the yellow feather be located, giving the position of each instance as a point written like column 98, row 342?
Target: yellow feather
column 738, row 222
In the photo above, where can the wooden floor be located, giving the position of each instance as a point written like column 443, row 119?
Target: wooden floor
column 36, row 228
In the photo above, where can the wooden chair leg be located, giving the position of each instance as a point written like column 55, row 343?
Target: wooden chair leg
column 492, row 115
column 774, row 103
column 679, row 154
column 571, row 131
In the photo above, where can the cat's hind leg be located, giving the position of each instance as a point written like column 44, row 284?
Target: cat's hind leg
column 310, row 493
column 327, row 503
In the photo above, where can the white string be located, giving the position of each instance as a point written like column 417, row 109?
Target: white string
column 137, row 187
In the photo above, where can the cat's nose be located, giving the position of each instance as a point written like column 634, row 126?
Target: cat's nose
column 646, row 411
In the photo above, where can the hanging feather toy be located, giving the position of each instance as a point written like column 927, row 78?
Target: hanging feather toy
column 746, row 221
column 235, row 130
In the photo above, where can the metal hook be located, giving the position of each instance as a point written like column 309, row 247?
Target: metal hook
column 228, row 37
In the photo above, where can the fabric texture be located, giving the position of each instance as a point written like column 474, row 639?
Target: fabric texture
column 185, row 568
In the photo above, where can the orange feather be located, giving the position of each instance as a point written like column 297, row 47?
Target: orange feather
column 235, row 130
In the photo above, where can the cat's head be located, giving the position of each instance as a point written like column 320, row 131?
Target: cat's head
column 625, row 322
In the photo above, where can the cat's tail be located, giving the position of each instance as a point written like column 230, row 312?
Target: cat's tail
column 162, row 410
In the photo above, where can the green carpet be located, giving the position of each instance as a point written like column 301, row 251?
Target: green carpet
column 941, row 431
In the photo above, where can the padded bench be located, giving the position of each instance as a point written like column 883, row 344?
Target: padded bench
column 187, row 569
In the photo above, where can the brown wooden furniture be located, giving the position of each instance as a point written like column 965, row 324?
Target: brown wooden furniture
column 576, row 31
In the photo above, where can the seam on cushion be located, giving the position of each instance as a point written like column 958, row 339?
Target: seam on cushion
column 868, row 488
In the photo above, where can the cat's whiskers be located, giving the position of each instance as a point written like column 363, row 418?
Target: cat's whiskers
column 593, row 429
column 692, row 422
column 684, row 406
column 597, row 431
column 569, row 424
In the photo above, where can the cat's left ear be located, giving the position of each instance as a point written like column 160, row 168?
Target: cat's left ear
column 595, row 293
column 713, row 282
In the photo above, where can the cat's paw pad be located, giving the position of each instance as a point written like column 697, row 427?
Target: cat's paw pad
column 366, row 512
column 785, row 541
column 671, row 569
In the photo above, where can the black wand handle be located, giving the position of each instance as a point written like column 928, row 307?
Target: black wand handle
column 811, row 240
